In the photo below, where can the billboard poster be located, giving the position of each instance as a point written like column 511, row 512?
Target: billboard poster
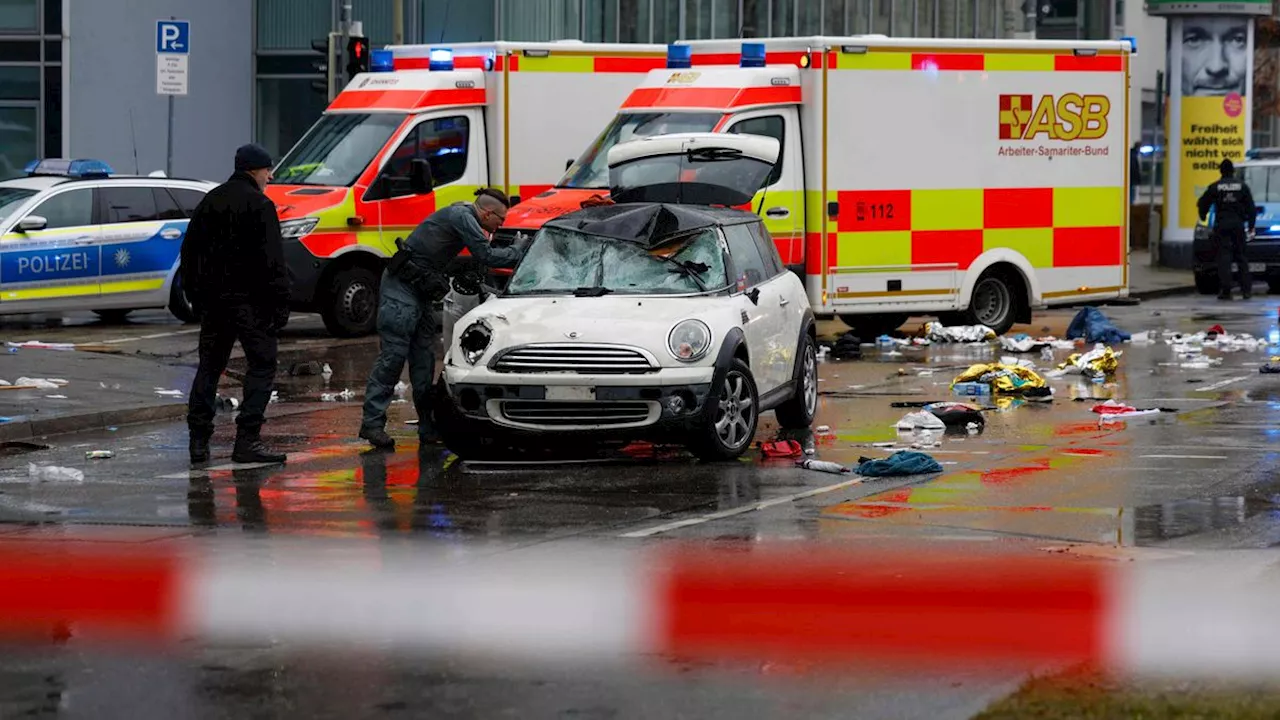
column 1211, row 74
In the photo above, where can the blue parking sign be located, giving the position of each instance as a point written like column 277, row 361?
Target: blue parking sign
column 173, row 36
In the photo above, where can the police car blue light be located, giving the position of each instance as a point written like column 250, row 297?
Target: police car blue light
column 84, row 168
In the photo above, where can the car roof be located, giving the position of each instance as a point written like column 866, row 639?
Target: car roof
column 44, row 182
column 649, row 224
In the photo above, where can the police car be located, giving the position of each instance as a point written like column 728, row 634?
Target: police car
column 76, row 236
column 1260, row 170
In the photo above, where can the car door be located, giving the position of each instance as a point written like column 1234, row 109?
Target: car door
column 54, row 265
column 445, row 143
column 785, row 293
column 138, row 247
column 761, row 318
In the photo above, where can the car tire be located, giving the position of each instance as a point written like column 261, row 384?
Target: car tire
column 352, row 306
column 870, row 327
column 113, row 317
column 799, row 410
column 179, row 304
column 994, row 302
column 1207, row 283
column 731, row 415
column 1273, row 287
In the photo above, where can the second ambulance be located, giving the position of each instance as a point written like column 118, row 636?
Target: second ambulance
column 971, row 179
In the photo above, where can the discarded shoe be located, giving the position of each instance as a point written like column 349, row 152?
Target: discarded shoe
column 255, row 451
column 378, row 438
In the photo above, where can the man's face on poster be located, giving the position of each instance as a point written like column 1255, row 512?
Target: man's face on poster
column 1214, row 55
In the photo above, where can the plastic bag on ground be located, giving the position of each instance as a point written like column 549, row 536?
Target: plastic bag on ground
column 40, row 383
column 54, row 473
column 937, row 332
column 904, row 462
column 1094, row 327
column 920, row 421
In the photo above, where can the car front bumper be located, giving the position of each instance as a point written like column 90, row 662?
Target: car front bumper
column 654, row 406
column 1263, row 253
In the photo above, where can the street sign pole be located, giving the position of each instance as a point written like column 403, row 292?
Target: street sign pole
column 173, row 48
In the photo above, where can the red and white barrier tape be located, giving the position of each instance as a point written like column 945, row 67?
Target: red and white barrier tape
column 1200, row 616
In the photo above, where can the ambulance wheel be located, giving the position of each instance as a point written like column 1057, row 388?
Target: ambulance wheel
column 113, row 316
column 870, row 327
column 352, row 307
column 1207, row 283
column 995, row 301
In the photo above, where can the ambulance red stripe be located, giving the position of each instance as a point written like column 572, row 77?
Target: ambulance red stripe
column 717, row 98
column 406, row 99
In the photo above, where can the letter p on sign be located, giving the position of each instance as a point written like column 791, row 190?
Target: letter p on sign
column 173, row 36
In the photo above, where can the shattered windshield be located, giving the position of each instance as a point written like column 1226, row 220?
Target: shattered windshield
column 562, row 261
column 337, row 149
column 591, row 171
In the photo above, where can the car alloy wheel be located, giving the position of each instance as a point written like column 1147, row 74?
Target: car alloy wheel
column 809, row 381
column 735, row 416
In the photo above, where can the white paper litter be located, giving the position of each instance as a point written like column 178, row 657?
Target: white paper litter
column 346, row 394
column 54, row 473
column 920, row 421
column 1115, row 417
column 41, row 383
column 39, row 345
column 937, row 332
column 169, row 393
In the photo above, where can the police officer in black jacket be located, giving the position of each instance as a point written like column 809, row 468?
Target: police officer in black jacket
column 1234, row 216
column 233, row 270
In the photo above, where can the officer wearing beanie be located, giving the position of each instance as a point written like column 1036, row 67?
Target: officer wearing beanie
column 234, row 273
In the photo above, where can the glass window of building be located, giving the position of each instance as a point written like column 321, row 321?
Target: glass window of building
column 19, row 16
column 724, row 21
column 755, row 18
column 19, row 143
column 633, row 21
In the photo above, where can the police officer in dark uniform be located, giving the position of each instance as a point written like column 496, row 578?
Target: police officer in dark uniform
column 233, row 269
column 416, row 278
column 1234, row 216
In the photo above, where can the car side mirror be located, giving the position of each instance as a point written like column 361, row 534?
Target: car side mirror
column 568, row 163
column 32, row 223
column 754, row 296
column 420, row 180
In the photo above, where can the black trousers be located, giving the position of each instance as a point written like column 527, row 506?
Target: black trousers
column 1231, row 248
column 222, row 326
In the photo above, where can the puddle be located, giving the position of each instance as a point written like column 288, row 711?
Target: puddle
column 1167, row 521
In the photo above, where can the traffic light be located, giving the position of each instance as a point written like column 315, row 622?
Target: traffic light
column 326, row 66
column 357, row 56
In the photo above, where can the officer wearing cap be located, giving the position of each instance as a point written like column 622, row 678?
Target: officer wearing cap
column 1234, row 215
column 233, row 270
column 416, row 278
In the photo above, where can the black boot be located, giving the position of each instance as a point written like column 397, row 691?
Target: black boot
column 251, row 449
column 198, row 448
column 1224, row 295
column 378, row 438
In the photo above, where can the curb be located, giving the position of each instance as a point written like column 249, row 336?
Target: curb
column 1163, row 292
column 80, row 422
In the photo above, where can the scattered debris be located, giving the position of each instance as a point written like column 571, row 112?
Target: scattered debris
column 1099, row 362
column 99, row 455
column 38, row 345
column 847, row 347
column 346, row 394
column 919, row 421
column 1002, row 378
column 953, row 413
column 54, row 473
column 1091, row 325
column 168, row 393
column 937, row 332
column 39, row 383
column 781, row 449
column 821, row 466
column 901, row 463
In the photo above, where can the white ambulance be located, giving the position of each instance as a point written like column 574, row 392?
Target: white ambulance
column 428, row 127
column 973, row 179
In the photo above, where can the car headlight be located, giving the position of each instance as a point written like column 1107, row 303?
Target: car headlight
column 689, row 340
column 474, row 341
column 294, row 229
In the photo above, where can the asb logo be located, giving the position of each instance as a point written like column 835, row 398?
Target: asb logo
column 1066, row 117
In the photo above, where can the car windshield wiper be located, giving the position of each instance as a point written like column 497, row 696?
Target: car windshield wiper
column 688, row 268
column 596, row 291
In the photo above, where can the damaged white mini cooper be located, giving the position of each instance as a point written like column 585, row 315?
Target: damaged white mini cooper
column 667, row 316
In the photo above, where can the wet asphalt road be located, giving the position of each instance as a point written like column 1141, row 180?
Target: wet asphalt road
column 1041, row 477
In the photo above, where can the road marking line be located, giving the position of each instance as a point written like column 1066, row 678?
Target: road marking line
column 1224, row 383
column 117, row 341
column 1186, row 457
column 204, row 471
column 740, row 510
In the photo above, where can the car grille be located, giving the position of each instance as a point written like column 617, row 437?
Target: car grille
column 568, row 414
column 573, row 358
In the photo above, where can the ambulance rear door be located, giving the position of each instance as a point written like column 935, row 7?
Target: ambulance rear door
column 781, row 202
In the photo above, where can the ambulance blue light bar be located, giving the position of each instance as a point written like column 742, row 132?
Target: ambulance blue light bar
column 58, row 167
column 381, row 61
column 1133, row 43
column 440, row 59
column 753, row 55
column 679, row 57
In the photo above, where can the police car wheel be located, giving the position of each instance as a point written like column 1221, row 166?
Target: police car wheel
column 352, row 309
column 180, row 305
column 113, row 316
